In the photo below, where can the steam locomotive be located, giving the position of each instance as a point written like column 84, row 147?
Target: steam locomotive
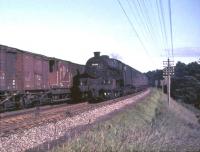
column 28, row 79
column 107, row 78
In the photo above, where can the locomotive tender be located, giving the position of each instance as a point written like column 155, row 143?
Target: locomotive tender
column 28, row 79
column 106, row 78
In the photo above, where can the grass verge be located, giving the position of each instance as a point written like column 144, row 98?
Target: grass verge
column 149, row 126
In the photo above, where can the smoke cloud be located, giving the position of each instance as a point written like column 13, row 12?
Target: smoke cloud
column 116, row 56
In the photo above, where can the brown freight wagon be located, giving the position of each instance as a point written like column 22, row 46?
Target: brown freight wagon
column 61, row 75
column 22, row 71
column 28, row 79
column 22, row 74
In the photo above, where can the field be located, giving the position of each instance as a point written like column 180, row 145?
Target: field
column 147, row 126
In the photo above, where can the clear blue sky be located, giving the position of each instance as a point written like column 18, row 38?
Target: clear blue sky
column 73, row 29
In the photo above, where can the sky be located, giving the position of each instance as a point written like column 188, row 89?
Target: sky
column 73, row 29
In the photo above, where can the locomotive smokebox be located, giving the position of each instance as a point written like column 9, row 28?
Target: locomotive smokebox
column 96, row 54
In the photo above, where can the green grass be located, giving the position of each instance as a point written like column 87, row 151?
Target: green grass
column 148, row 126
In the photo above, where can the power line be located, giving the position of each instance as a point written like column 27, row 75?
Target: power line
column 145, row 11
column 144, row 15
column 162, row 26
column 141, row 11
column 132, row 26
column 156, row 34
column 133, row 13
column 171, row 32
column 139, row 17
column 163, row 20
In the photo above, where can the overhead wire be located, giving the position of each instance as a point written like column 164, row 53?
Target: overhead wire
column 143, row 16
column 171, row 30
column 133, row 28
column 155, row 35
column 134, row 15
column 145, row 21
column 148, row 19
column 139, row 21
column 164, row 26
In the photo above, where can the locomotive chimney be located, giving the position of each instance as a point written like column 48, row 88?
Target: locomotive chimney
column 96, row 54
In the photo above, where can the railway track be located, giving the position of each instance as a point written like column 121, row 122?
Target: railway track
column 27, row 120
column 40, row 115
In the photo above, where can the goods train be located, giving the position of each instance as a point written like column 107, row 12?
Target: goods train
column 28, row 79
column 107, row 78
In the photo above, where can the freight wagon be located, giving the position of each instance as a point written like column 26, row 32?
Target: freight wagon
column 28, row 79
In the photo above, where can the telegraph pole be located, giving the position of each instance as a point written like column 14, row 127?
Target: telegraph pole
column 167, row 72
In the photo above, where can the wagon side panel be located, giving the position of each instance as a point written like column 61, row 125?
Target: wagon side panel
column 2, row 69
column 64, row 74
column 53, row 77
column 45, row 71
column 38, row 72
column 19, row 72
column 10, row 68
column 28, row 62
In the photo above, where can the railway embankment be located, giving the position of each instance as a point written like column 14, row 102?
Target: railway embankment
column 151, row 125
column 45, row 136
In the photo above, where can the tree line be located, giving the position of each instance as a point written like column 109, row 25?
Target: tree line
column 185, row 83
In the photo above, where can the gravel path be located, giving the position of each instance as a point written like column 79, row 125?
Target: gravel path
column 33, row 137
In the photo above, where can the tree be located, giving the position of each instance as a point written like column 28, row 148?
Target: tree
column 154, row 75
column 180, row 69
column 186, row 83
